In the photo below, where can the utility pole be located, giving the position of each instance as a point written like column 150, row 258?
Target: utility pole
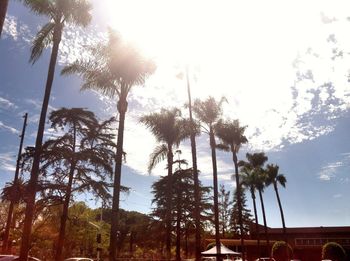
column 5, row 242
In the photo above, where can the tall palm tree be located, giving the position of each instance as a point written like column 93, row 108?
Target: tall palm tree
column 209, row 112
column 3, row 10
column 256, row 163
column 197, row 197
column 169, row 129
column 60, row 13
column 274, row 177
column 250, row 180
column 231, row 135
column 113, row 69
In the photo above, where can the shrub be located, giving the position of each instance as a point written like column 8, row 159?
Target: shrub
column 333, row 251
column 279, row 251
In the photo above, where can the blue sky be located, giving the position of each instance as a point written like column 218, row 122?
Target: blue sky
column 285, row 78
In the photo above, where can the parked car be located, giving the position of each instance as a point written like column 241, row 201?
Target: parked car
column 14, row 258
column 78, row 259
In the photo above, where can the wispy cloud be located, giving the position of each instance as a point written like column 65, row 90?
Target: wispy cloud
column 8, row 128
column 16, row 30
column 7, row 104
column 332, row 169
column 7, row 162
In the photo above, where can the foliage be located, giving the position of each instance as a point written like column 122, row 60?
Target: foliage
column 183, row 201
column 225, row 210
column 333, row 251
column 279, row 251
column 246, row 214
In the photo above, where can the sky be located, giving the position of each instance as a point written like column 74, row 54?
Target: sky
column 283, row 67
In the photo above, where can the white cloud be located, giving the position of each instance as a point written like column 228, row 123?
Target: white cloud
column 6, row 104
column 16, row 30
column 337, row 195
column 8, row 128
column 333, row 169
column 7, row 162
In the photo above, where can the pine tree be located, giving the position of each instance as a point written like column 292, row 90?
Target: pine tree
column 247, row 217
column 225, row 210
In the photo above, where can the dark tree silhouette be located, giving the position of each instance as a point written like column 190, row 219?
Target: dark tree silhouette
column 113, row 69
column 231, row 135
column 170, row 130
column 59, row 13
column 209, row 112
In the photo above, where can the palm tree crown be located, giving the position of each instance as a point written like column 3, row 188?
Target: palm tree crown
column 168, row 129
column 274, row 177
column 231, row 135
column 59, row 12
column 113, row 68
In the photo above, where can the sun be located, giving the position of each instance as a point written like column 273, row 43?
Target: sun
column 241, row 50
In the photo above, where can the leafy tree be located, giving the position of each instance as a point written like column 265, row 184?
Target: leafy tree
column 209, row 112
column 60, row 13
column 113, row 69
column 231, row 135
column 333, row 251
column 88, row 160
column 225, row 209
column 281, row 251
column 183, row 197
column 169, row 129
column 246, row 214
column 274, row 177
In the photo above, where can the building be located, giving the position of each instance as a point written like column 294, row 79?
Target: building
column 306, row 242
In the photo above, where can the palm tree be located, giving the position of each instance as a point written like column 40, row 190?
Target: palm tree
column 231, row 135
column 275, row 178
column 255, row 163
column 209, row 112
column 113, row 69
column 197, row 197
column 169, row 130
column 3, row 10
column 60, row 13
column 250, row 180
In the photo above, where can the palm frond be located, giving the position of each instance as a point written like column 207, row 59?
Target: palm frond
column 42, row 40
column 41, row 7
column 158, row 154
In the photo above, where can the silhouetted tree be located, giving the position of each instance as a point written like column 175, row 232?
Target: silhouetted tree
column 60, row 13
column 113, row 69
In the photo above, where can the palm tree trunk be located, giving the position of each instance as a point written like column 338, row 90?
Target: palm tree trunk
column 122, row 107
column 282, row 218
column 5, row 241
column 3, row 10
column 64, row 217
column 264, row 218
column 197, row 197
column 256, row 221
column 178, row 230
column 239, row 201
column 215, row 184
column 169, row 203
column 280, row 207
column 34, row 175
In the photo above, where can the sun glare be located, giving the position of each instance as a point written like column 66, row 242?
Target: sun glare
column 238, row 49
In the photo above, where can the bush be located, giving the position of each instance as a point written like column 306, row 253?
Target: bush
column 333, row 251
column 279, row 251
